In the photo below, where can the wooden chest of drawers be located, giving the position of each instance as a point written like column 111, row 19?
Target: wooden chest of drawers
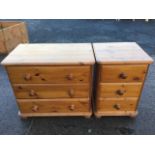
column 52, row 79
column 121, row 71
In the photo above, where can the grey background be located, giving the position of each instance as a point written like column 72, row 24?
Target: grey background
column 46, row 31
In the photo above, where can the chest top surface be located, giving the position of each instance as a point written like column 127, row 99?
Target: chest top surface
column 120, row 53
column 56, row 54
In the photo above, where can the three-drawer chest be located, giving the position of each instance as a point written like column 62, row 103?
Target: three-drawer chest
column 121, row 71
column 52, row 79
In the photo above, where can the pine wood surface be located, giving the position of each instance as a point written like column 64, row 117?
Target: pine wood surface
column 53, row 105
column 49, row 91
column 49, row 74
column 11, row 34
column 51, row 54
column 117, row 104
column 114, row 73
column 119, row 89
column 120, row 53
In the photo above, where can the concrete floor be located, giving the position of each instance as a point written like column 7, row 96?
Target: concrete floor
column 84, row 31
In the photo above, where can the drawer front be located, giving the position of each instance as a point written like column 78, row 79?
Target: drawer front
column 51, row 91
column 123, row 73
column 119, row 89
column 48, row 75
column 53, row 106
column 121, row 104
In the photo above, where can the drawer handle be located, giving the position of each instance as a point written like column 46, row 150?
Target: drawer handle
column 28, row 77
column 120, row 92
column 70, row 77
column 123, row 76
column 32, row 93
column 35, row 108
column 72, row 107
column 71, row 93
column 117, row 106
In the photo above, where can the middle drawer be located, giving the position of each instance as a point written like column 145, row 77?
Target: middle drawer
column 44, row 91
column 119, row 89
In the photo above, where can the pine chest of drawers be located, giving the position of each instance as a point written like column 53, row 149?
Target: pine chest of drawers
column 52, row 79
column 121, row 71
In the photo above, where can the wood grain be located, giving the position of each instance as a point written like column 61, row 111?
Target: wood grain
column 48, row 91
column 53, row 106
column 51, row 54
column 6, row 24
column 120, row 53
column 117, row 104
column 118, row 113
column 133, row 73
column 119, row 89
column 64, row 114
column 2, row 42
column 12, row 34
column 49, row 74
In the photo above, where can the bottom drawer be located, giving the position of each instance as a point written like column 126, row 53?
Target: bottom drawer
column 113, row 104
column 54, row 105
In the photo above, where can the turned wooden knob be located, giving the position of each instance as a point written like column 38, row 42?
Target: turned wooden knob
column 71, row 92
column 120, row 92
column 35, row 108
column 70, row 77
column 72, row 107
column 32, row 93
column 117, row 106
column 28, row 77
column 123, row 76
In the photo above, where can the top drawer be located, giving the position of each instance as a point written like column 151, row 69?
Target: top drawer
column 122, row 73
column 48, row 74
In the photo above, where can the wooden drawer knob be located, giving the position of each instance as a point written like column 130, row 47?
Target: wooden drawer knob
column 35, row 108
column 28, row 77
column 70, row 77
column 117, row 106
column 72, row 107
column 32, row 93
column 123, row 76
column 71, row 93
column 120, row 92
